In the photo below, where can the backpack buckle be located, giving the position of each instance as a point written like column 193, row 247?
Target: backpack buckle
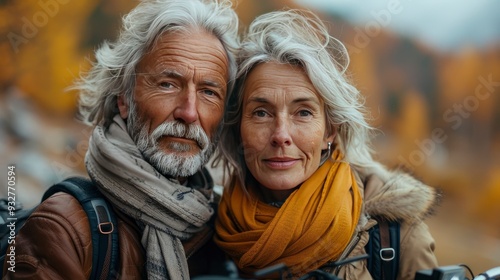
column 387, row 254
column 106, row 227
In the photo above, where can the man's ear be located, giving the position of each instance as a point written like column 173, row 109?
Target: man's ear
column 122, row 106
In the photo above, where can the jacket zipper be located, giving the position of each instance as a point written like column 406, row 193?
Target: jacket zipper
column 348, row 250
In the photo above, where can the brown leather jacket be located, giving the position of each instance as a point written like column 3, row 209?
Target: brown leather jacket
column 55, row 243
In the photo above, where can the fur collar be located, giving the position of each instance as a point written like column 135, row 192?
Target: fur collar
column 398, row 196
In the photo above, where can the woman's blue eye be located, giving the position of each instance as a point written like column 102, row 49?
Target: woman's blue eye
column 260, row 113
column 305, row 113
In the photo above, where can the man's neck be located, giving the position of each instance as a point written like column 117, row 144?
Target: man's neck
column 182, row 180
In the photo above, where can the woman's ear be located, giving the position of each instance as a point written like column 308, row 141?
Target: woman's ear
column 122, row 106
column 329, row 138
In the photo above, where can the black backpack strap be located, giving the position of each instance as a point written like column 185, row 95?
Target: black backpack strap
column 383, row 249
column 102, row 224
column 389, row 238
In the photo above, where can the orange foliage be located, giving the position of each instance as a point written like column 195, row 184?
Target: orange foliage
column 44, row 64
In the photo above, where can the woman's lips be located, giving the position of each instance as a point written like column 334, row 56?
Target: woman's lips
column 280, row 162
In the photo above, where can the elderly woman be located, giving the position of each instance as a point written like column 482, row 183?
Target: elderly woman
column 305, row 189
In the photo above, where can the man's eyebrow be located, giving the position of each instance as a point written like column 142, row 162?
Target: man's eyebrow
column 165, row 73
column 171, row 74
column 212, row 83
column 176, row 74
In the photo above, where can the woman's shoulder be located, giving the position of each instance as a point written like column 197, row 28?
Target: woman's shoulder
column 398, row 196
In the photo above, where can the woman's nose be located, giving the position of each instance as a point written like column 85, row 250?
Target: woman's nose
column 281, row 134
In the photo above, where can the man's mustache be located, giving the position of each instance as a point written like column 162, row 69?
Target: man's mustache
column 177, row 129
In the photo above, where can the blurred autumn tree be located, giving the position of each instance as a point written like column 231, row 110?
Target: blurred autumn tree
column 413, row 91
column 416, row 95
column 44, row 45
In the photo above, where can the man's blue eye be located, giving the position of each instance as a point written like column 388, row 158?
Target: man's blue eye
column 209, row 92
column 166, row 85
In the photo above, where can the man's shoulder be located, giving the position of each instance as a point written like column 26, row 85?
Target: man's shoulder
column 61, row 206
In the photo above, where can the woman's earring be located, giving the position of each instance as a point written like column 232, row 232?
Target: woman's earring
column 327, row 154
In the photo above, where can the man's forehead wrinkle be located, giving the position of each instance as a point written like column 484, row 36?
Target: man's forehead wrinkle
column 180, row 48
column 205, row 78
column 180, row 62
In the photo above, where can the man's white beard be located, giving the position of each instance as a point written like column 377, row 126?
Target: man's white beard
column 171, row 164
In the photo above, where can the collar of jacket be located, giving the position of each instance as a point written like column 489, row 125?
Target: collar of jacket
column 397, row 196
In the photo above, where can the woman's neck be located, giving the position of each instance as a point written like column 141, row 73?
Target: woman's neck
column 275, row 197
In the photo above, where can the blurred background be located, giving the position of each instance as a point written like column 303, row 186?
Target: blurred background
column 430, row 72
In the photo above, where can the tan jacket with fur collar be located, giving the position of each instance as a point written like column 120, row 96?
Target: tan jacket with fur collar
column 395, row 196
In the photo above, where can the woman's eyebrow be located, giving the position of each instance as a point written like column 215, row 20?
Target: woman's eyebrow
column 306, row 99
column 264, row 100
column 259, row 100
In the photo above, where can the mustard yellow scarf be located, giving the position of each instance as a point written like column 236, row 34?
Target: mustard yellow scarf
column 314, row 225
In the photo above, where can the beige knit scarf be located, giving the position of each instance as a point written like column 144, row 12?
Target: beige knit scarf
column 170, row 212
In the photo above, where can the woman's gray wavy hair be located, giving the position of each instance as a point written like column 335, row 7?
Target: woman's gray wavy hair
column 113, row 73
column 299, row 37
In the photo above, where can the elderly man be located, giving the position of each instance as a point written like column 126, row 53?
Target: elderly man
column 156, row 97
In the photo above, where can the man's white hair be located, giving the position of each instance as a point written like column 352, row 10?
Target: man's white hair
column 113, row 72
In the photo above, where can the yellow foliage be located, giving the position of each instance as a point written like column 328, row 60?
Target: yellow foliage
column 47, row 50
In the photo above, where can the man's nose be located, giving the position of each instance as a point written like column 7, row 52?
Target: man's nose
column 186, row 110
